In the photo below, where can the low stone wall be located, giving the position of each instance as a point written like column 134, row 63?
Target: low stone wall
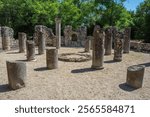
column 139, row 46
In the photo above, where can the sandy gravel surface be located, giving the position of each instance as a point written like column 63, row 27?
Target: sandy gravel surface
column 76, row 80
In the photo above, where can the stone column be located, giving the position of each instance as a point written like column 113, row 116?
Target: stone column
column 58, row 32
column 135, row 76
column 16, row 74
column 114, row 31
column 98, row 48
column 118, row 46
column 0, row 38
column 52, row 58
column 67, row 34
column 41, row 43
column 6, row 38
column 30, row 51
column 87, row 45
column 108, row 41
column 91, row 38
column 82, row 35
column 127, row 34
column 22, row 37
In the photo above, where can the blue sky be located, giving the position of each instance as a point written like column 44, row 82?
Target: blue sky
column 132, row 4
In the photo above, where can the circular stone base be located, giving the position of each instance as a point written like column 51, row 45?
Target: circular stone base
column 74, row 57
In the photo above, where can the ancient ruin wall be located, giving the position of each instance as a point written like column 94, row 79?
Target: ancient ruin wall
column 139, row 46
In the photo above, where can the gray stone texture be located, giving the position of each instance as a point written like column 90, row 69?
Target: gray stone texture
column 0, row 38
column 48, row 33
column 82, row 34
column 114, row 31
column 75, row 38
column 52, row 58
column 67, row 34
column 6, row 38
column 108, row 41
column 87, row 45
column 127, row 35
column 98, row 48
column 91, row 38
column 140, row 46
column 118, row 46
column 16, row 74
column 58, row 32
column 30, row 49
column 22, row 37
column 135, row 76
column 41, row 43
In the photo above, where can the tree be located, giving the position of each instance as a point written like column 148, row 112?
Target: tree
column 142, row 21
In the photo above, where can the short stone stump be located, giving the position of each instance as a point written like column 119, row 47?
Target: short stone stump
column 74, row 57
column 17, row 74
column 135, row 76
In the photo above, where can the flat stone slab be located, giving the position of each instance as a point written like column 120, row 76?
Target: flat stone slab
column 74, row 57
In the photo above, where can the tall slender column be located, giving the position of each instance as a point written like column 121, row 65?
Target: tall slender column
column 108, row 41
column 58, row 32
column 98, row 48
column 87, row 45
column 0, row 37
column 22, row 37
column 127, row 34
column 118, row 46
column 6, row 38
column 41, row 43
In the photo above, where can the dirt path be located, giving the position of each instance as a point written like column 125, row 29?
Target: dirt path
column 76, row 80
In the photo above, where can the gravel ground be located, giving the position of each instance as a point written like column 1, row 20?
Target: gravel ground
column 75, row 80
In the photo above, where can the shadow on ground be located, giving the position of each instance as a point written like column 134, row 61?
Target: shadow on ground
column 4, row 88
column 22, row 60
column 12, row 53
column 83, row 52
column 110, row 61
column 126, row 87
column 41, row 69
column 145, row 64
column 83, row 70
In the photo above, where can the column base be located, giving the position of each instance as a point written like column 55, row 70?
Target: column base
column 97, row 67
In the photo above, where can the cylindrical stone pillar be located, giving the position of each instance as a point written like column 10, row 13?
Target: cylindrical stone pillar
column 41, row 43
column 114, row 31
column 6, row 38
column 91, row 38
column 16, row 74
column 22, row 37
column 118, row 46
column 0, row 38
column 108, row 41
column 87, row 45
column 30, row 50
column 52, row 58
column 135, row 76
column 127, row 34
column 58, row 32
column 98, row 48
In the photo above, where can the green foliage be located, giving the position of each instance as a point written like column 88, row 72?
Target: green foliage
column 23, row 15
column 142, row 21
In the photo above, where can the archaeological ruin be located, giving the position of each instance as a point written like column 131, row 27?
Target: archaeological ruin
column 72, row 56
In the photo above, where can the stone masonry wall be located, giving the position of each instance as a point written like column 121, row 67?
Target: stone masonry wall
column 139, row 46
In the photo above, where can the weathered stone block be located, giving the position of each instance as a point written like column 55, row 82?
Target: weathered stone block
column 98, row 48
column 22, row 37
column 16, row 74
column 52, row 58
column 30, row 50
column 135, row 76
